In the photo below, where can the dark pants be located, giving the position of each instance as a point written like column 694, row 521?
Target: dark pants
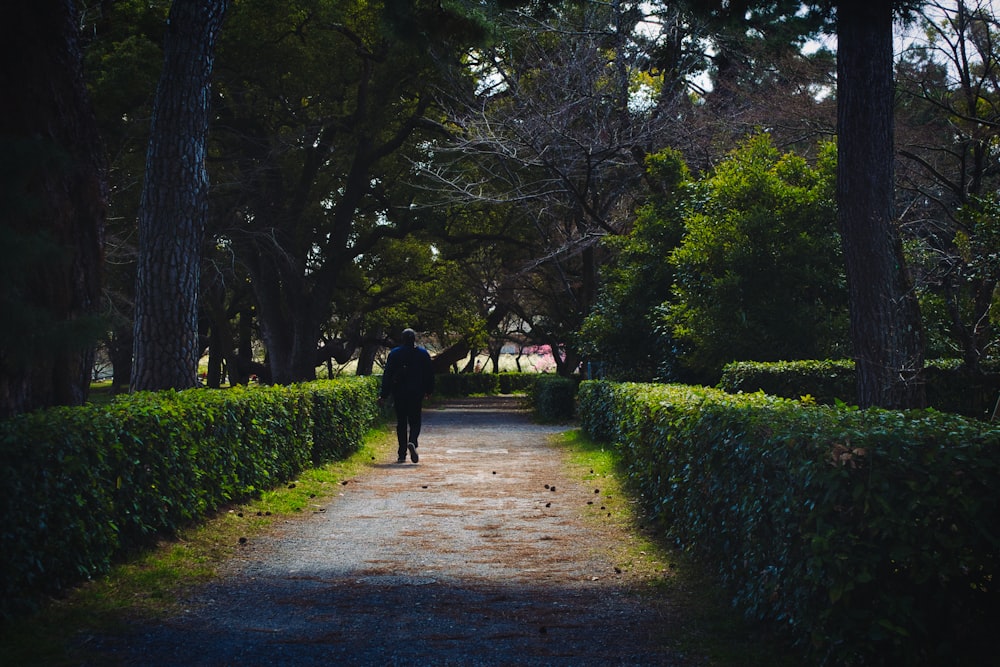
column 408, row 409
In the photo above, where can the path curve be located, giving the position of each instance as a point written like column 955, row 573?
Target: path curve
column 479, row 555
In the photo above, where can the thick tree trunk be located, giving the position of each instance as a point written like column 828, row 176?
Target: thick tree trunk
column 53, row 202
column 174, row 204
column 885, row 318
column 243, row 368
column 120, row 351
column 366, row 360
column 288, row 325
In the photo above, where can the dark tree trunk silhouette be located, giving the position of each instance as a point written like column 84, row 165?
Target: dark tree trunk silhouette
column 174, row 205
column 885, row 318
column 53, row 204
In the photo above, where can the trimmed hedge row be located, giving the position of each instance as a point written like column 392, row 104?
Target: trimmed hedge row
column 949, row 387
column 467, row 384
column 871, row 537
column 553, row 398
column 83, row 485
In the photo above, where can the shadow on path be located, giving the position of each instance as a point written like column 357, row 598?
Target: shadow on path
column 478, row 555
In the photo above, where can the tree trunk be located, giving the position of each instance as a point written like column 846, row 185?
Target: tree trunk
column 288, row 328
column 53, row 202
column 241, row 370
column 120, row 351
column 885, row 318
column 174, row 205
column 366, row 360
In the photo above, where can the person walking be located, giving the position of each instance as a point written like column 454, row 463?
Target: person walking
column 409, row 378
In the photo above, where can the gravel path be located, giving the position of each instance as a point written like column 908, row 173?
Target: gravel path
column 481, row 554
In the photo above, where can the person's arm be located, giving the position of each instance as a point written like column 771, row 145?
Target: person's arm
column 387, row 373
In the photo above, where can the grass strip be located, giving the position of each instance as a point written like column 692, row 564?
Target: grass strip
column 151, row 584
column 698, row 617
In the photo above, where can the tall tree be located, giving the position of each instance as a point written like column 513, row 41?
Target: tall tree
column 174, row 204
column 558, row 129
column 886, row 330
column 123, row 57
column 947, row 133
column 53, row 205
column 319, row 157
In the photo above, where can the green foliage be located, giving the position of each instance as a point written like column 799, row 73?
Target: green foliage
column 950, row 386
column 467, row 384
column 553, row 398
column 826, row 381
column 515, row 382
column 342, row 412
column 758, row 272
column 869, row 536
column 958, row 285
column 620, row 328
column 83, row 485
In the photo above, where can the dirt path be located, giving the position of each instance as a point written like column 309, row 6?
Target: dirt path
column 479, row 555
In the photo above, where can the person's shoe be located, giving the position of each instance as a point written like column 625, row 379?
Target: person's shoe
column 401, row 459
column 413, row 452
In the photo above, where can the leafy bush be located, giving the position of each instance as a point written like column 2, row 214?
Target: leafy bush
column 516, row 382
column 467, row 384
column 342, row 413
column 870, row 536
column 949, row 387
column 758, row 273
column 83, row 485
column 554, row 398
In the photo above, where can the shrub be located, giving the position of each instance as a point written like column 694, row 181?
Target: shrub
column 510, row 383
column 83, row 485
column 554, row 398
column 467, row 384
column 950, row 388
column 870, row 536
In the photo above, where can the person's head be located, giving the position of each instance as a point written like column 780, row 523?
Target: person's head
column 409, row 337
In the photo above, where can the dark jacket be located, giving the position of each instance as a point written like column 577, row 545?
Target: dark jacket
column 408, row 372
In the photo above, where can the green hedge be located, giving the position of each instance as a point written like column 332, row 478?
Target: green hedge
column 870, row 536
column 468, row 384
column 553, row 398
column 83, row 485
column 949, row 387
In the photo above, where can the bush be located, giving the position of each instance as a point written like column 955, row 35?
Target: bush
column 869, row 536
column 84, row 485
column 826, row 381
column 554, row 398
column 468, row 384
column 949, row 387
column 511, row 383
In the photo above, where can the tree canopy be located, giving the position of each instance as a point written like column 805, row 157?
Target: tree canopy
column 576, row 174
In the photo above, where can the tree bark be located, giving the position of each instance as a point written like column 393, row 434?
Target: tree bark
column 53, row 204
column 885, row 319
column 174, row 205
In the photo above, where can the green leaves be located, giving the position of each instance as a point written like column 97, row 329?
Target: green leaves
column 86, row 484
column 757, row 271
column 870, row 535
